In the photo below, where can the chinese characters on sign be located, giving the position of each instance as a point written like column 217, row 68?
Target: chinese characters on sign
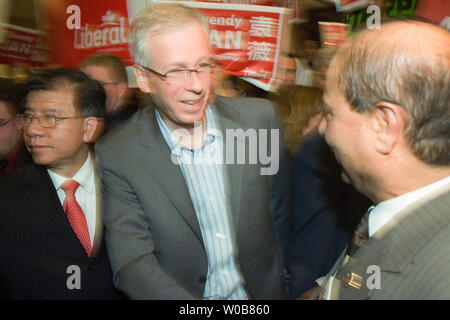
column 247, row 40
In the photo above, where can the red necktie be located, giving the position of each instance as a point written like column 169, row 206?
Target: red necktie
column 76, row 215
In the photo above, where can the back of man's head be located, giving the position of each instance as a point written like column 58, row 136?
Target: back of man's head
column 406, row 63
column 112, row 63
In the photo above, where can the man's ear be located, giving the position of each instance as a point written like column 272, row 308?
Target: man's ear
column 142, row 80
column 92, row 129
column 122, row 88
column 388, row 122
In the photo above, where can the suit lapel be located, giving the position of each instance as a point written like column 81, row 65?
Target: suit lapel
column 353, row 275
column 409, row 230
column 164, row 171
column 46, row 204
column 396, row 243
column 226, row 117
column 43, row 189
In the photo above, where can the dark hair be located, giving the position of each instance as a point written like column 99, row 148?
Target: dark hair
column 11, row 93
column 89, row 95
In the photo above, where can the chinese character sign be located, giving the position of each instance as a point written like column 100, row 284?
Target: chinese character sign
column 246, row 39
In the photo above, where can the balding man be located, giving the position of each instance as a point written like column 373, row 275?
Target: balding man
column 387, row 121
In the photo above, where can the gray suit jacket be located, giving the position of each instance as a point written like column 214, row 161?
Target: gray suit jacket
column 153, row 236
column 413, row 254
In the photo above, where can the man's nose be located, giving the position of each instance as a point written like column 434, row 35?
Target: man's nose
column 194, row 83
column 33, row 129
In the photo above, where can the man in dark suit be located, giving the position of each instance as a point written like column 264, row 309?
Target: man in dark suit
column 387, row 122
column 51, row 244
column 180, row 222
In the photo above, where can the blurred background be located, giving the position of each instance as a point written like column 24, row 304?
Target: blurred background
column 272, row 34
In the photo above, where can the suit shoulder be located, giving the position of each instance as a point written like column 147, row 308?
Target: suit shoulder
column 255, row 112
column 11, row 184
column 120, row 134
column 248, row 104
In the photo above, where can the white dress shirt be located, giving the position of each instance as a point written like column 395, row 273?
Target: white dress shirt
column 386, row 210
column 85, row 194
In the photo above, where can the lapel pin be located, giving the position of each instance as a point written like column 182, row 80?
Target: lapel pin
column 352, row 279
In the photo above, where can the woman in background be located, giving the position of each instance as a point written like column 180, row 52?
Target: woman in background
column 325, row 209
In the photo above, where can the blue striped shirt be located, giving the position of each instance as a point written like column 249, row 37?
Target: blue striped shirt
column 203, row 172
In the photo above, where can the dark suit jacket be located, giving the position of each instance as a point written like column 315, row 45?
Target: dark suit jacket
column 119, row 116
column 37, row 244
column 21, row 158
column 325, row 212
column 153, row 235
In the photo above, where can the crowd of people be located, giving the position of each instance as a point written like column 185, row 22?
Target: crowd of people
column 191, row 189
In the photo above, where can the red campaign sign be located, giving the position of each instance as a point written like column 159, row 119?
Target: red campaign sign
column 103, row 29
column 295, row 5
column 349, row 5
column 246, row 39
column 333, row 34
column 437, row 11
column 22, row 45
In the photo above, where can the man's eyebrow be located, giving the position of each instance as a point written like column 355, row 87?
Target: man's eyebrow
column 177, row 66
column 27, row 108
column 182, row 65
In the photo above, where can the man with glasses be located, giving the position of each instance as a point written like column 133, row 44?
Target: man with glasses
column 178, row 227
column 13, row 154
column 110, row 71
column 51, row 244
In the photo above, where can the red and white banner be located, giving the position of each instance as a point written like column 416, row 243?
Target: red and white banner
column 437, row 11
column 22, row 46
column 103, row 28
column 350, row 5
column 246, row 40
column 333, row 34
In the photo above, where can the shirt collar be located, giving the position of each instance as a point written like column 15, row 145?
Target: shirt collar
column 386, row 210
column 84, row 176
column 175, row 145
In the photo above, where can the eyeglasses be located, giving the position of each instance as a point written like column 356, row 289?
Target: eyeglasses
column 4, row 122
column 44, row 120
column 179, row 76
